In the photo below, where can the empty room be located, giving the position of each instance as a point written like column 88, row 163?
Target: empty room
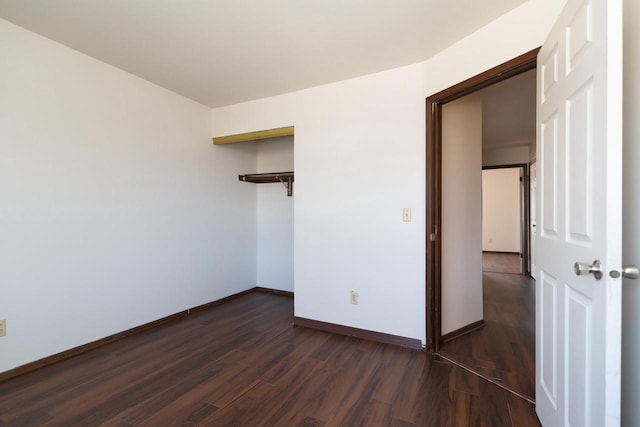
column 233, row 213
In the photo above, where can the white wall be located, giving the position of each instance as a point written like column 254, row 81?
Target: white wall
column 275, row 216
column 501, row 210
column 120, row 187
column 359, row 160
column 116, row 208
column 461, row 232
column 631, row 216
column 513, row 34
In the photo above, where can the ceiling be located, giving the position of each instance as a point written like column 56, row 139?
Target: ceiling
column 221, row 52
column 509, row 112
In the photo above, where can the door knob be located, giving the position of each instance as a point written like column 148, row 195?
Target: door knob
column 582, row 269
column 628, row 271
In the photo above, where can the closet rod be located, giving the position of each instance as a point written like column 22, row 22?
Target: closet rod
column 262, row 178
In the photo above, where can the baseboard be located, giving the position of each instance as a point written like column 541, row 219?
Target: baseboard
column 358, row 333
column 459, row 332
column 40, row 363
column 273, row 291
column 501, row 252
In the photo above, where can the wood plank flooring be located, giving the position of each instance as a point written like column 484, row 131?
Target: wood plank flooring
column 504, row 349
column 501, row 262
column 244, row 364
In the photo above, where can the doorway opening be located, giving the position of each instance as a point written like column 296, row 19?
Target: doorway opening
column 504, row 221
column 440, row 262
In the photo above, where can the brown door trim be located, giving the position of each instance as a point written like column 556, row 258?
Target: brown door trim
column 522, row 63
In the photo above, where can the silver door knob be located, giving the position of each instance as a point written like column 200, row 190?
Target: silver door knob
column 628, row 271
column 583, row 269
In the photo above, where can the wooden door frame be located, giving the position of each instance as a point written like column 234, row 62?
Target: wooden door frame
column 434, row 103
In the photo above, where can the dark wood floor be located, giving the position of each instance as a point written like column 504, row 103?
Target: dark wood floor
column 504, row 349
column 244, row 364
column 501, row 262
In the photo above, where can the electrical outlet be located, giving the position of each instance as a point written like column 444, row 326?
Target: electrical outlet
column 3, row 327
column 354, row 297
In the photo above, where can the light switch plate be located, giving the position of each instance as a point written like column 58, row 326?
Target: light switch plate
column 406, row 214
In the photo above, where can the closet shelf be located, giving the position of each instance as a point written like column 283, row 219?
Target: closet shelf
column 285, row 178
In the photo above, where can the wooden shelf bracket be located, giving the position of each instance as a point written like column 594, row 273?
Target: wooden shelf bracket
column 286, row 178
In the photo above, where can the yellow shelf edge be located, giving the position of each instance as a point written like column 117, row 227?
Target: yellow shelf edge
column 250, row 136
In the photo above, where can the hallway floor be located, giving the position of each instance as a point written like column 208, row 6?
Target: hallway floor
column 501, row 262
column 504, row 349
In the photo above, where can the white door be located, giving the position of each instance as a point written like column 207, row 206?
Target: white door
column 533, row 223
column 579, row 156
